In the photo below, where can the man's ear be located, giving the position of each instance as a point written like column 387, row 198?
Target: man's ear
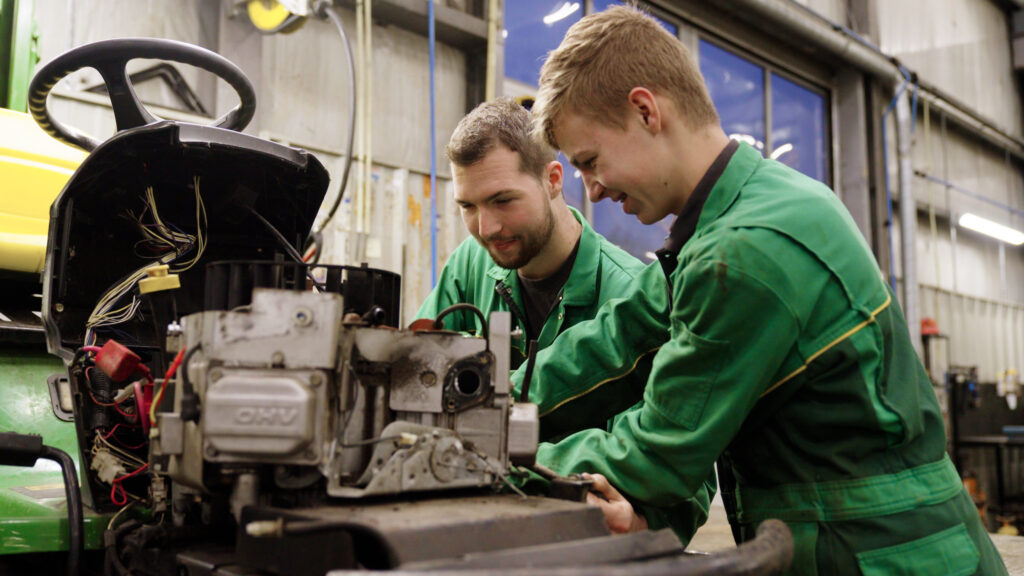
column 644, row 107
column 553, row 177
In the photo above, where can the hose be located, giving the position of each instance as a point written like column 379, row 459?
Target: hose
column 74, row 501
column 471, row 308
column 323, row 10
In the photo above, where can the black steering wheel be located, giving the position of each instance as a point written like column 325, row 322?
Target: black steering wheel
column 109, row 58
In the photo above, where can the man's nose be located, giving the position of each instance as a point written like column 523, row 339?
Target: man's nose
column 488, row 224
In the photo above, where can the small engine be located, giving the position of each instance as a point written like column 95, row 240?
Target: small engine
column 291, row 390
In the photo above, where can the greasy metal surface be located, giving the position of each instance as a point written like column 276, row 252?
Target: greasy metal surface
column 443, row 528
column 634, row 547
column 33, row 512
column 769, row 554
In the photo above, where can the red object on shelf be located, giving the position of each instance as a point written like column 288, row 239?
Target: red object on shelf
column 117, row 361
column 929, row 327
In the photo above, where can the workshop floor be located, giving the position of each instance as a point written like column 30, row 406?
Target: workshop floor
column 716, row 535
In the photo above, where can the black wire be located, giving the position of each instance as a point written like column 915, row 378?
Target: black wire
column 471, row 308
column 292, row 252
column 531, row 359
column 74, row 501
column 315, row 237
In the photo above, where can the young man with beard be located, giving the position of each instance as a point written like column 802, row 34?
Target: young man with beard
column 533, row 255
column 529, row 252
column 787, row 358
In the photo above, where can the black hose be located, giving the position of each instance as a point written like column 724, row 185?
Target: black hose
column 471, row 308
column 74, row 502
column 531, row 359
column 323, row 10
column 112, row 539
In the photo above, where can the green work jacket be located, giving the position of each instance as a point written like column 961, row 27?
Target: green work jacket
column 789, row 358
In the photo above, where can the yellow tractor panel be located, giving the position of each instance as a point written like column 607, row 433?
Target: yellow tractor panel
column 33, row 170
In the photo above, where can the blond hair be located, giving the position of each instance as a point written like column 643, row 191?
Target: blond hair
column 502, row 121
column 607, row 54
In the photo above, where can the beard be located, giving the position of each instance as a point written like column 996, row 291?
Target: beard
column 531, row 242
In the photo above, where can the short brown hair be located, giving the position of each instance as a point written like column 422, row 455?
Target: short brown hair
column 503, row 120
column 607, row 54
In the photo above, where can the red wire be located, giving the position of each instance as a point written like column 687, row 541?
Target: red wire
column 169, row 375
column 116, row 488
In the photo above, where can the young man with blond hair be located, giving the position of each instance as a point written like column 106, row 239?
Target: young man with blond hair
column 787, row 358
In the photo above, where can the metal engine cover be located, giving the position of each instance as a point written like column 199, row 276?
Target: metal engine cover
column 261, row 415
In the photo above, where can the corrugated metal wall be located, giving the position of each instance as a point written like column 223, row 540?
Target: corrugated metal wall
column 960, row 46
column 974, row 293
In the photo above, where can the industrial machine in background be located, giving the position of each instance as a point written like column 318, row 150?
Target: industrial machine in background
column 238, row 411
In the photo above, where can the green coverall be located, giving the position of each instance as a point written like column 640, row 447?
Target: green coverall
column 601, row 272
column 789, row 357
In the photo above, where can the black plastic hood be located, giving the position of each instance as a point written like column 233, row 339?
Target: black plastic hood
column 94, row 237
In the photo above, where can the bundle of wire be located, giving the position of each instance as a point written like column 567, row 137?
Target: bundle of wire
column 168, row 243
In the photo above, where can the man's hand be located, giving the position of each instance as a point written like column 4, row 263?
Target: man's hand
column 618, row 512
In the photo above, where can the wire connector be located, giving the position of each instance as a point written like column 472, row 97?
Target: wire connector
column 117, row 361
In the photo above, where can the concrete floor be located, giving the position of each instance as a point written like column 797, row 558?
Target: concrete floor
column 716, row 535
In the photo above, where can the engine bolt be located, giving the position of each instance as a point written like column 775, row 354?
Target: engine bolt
column 277, row 359
column 428, row 378
column 303, row 316
column 316, row 379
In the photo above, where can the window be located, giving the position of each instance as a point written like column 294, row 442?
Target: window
column 797, row 124
column 799, row 129
column 737, row 89
column 532, row 29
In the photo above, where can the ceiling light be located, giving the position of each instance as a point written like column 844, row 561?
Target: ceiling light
column 562, row 13
column 990, row 228
column 787, row 147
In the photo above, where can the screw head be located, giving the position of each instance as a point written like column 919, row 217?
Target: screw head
column 277, row 359
column 316, row 379
column 58, row 307
column 428, row 378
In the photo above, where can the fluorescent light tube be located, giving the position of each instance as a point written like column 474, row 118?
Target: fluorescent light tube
column 990, row 228
column 562, row 13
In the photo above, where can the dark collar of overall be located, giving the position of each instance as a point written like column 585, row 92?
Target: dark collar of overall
column 685, row 225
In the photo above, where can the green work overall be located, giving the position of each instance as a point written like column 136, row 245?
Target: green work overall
column 790, row 359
